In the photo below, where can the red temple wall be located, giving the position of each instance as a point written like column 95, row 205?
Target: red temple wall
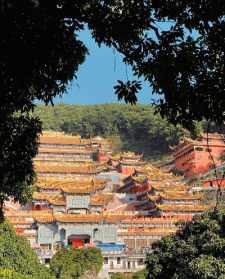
column 127, row 170
column 214, row 182
column 196, row 162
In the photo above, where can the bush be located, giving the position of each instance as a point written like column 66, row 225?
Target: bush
column 197, row 251
column 72, row 263
column 11, row 274
column 17, row 255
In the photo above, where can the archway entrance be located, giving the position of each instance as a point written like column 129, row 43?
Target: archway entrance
column 79, row 240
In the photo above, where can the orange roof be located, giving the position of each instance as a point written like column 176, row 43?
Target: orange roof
column 155, row 173
column 28, row 234
column 66, row 168
column 131, row 155
column 55, row 199
column 72, row 185
column 64, row 150
column 151, row 220
column 20, row 216
column 61, row 138
column 171, row 187
column 101, row 199
column 44, row 218
column 183, row 207
column 63, row 159
column 181, row 195
column 148, row 231
column 20, row 222
column 78, row 218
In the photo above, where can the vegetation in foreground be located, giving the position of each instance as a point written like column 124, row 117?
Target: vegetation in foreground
column 17, row 259
column 73, row 263
column 197, row 251
column 137, row 275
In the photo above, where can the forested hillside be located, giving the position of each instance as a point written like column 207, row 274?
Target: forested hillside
column 134, row 128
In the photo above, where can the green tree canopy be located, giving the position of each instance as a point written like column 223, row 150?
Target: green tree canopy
column 17, row 256
column 138, row 127
column 72, row 263
column 197, row 251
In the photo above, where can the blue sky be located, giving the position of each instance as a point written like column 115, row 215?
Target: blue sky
column 97, row 76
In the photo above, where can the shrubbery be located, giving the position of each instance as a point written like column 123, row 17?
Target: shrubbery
column 17, row 257
column 197, row 251
column 72, row 263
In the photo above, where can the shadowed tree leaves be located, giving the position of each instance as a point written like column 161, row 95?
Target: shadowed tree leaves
column 127, row 91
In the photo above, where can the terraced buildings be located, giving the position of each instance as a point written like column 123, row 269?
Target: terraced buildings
column 86, row 197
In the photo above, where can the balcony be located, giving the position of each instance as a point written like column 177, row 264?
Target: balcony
column 44, row 254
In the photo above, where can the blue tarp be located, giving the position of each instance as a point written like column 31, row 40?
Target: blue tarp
column 110, row 246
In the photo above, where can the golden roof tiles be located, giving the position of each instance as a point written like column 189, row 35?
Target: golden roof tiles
column 62, row 139
column 54, row 199
column 150, row 220
column 62, row 150
column 66, row 168
column 183, row 207
column 148, row 231
column 101, row 199
column 72, row 185
column 181, row 195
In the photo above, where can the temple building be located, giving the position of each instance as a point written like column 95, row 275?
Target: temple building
column 85, row 196
column 194, row 157
column 50, row 139
column 71, row 195
column 130, row 161
column 67, row 170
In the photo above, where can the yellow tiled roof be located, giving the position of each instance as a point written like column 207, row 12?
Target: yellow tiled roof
column 148, row 231
column 60, row 138
column 183, row 207
column 101, row 199
column 72, row 185
column 181, row 195
column 45, row 218
column 64, row 150
column 55, row 199
column 78, row 218
column 164, row 186
column 150, row 220
column 66, row 168
column 130, row 155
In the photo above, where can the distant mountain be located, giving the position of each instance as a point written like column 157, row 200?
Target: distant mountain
column 137, row 128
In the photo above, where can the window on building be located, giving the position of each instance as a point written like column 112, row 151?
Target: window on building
column 118, row 260
column 95, row 233
column 47, row 261
column 140, row 261
column 198, row 148
column 62, row 234
column 106, row 260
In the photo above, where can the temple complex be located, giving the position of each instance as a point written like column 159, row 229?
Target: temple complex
column 85, row 196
